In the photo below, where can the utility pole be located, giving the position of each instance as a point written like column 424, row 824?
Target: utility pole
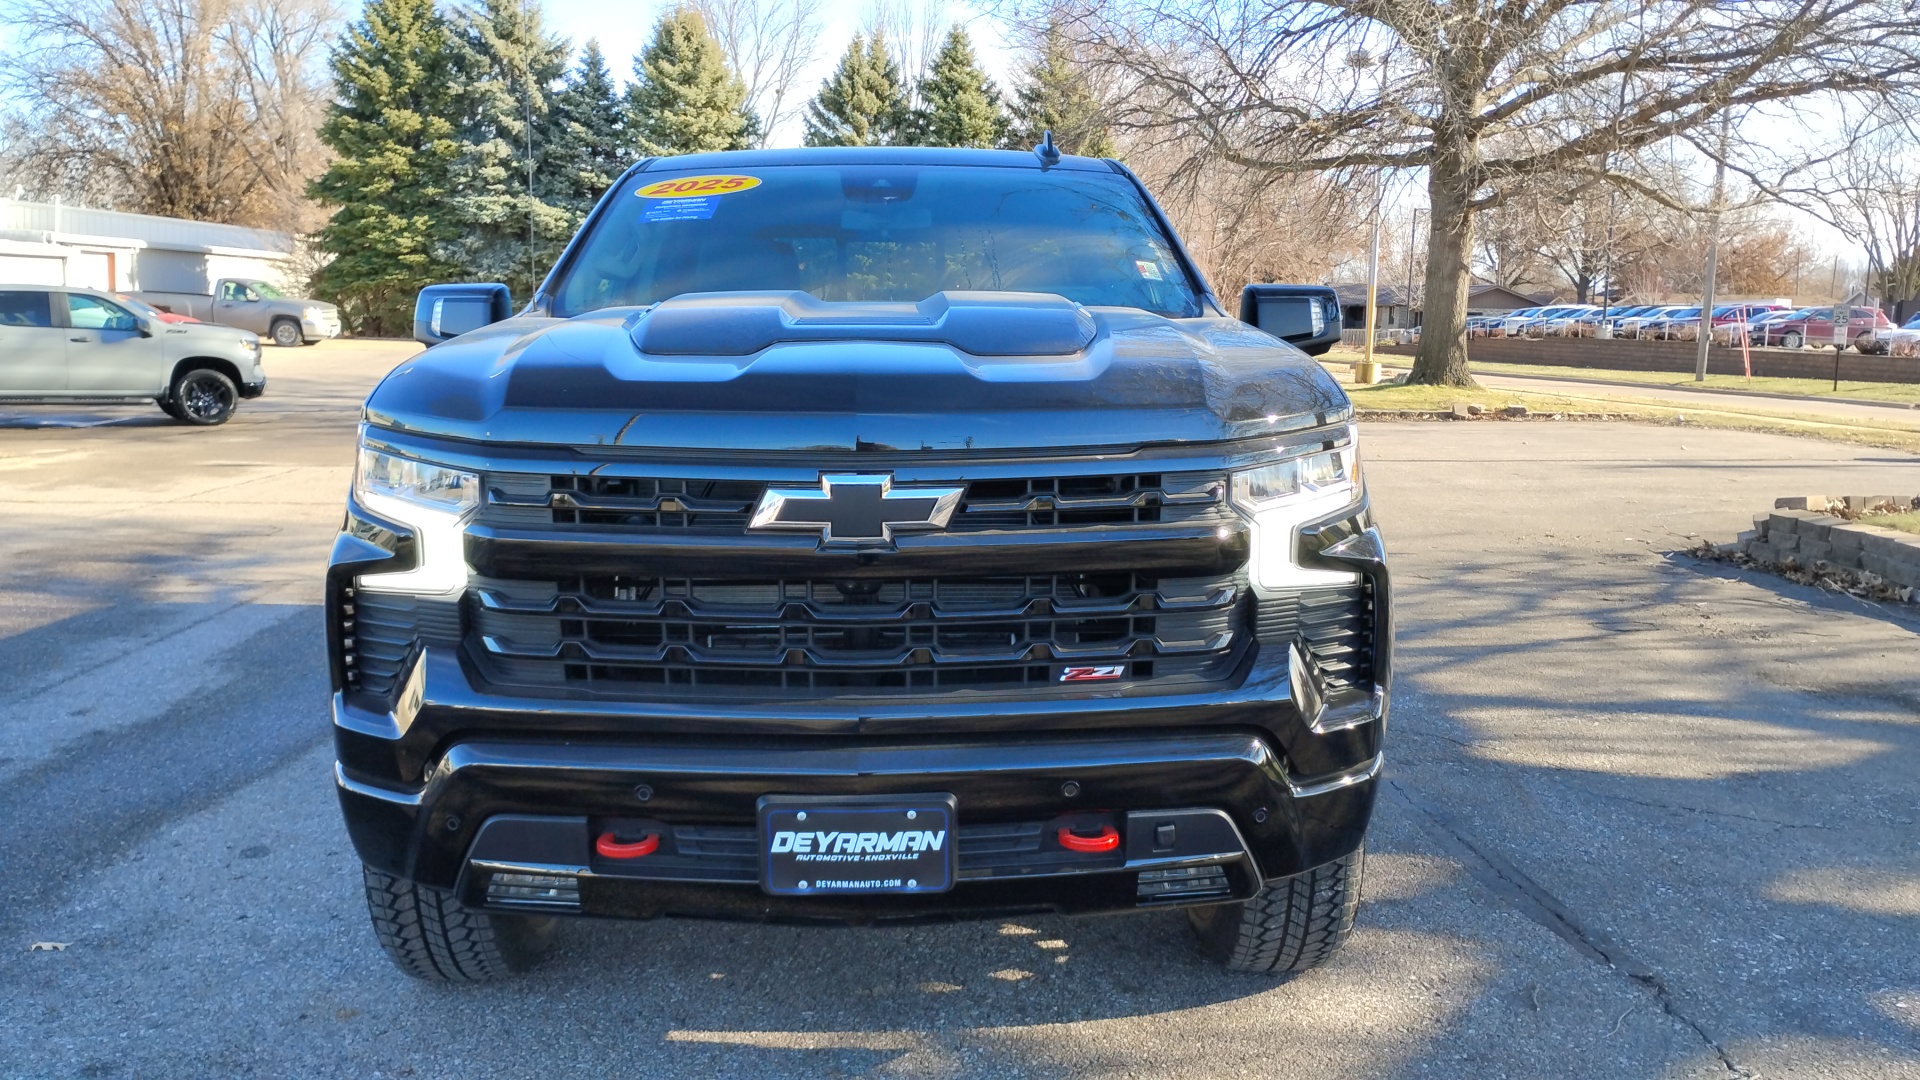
column 1713, row 251
column 1365, row 372
column 1413, row 239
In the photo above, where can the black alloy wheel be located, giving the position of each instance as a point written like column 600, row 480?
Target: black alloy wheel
column 204, row 398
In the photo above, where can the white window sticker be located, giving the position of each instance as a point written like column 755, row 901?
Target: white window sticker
column 1148, row 270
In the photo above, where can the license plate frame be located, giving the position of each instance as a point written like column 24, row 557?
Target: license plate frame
column 884, row 859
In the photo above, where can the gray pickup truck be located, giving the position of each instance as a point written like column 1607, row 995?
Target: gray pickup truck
column 62, row 346
column 257, row 306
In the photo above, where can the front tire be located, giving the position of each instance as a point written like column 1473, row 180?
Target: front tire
column 1293, row 924
column 204, row 397
column 286, row 333
column 1792, row 339
column 430, row 936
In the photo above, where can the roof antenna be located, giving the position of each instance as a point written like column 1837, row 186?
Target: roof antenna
column 1048, row 153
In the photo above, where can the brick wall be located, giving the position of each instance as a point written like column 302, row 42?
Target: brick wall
column 1678, row 356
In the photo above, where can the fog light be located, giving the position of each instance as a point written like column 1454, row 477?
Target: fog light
column 534, row 890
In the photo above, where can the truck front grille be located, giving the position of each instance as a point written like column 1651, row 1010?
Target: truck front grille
column 723, row 507
column 627, row 635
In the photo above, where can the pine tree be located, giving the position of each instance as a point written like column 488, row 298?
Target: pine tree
column 959, row 105
column 864, row 103
column 505, row 67
column 584, row 149
column 1055, row 97
column 684, row 99
column 392, row 145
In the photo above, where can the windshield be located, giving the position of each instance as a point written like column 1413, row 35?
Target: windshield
column 878, row 233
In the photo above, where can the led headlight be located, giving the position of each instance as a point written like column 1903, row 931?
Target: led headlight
column 433, row 501
column 1283, row 495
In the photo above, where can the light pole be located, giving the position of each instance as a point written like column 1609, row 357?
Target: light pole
column 1365, row 372
column 1713, row 253
column 1413, row 238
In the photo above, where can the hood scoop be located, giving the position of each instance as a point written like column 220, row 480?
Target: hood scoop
column 980, row 323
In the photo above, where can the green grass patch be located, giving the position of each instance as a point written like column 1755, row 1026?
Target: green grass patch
column 1907, row 393
column 1908, row 522
column 1710, row 412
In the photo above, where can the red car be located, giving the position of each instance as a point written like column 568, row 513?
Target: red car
column 151, row 312
column 1814, row 326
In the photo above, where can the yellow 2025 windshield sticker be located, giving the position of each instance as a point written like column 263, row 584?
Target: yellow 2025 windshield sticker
column 694, row 186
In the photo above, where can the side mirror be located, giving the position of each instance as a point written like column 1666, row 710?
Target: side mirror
column 145, row 326
column 447, row 311
column 1305, row 316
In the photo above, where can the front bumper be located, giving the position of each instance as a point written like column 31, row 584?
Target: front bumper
column 533, row 808
column 320, row 329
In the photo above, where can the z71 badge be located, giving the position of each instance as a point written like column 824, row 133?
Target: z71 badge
column 1092, row 674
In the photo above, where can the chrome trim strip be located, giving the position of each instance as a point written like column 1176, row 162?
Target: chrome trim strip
column 371, row 791
column 1358, row 775
column 496, row 866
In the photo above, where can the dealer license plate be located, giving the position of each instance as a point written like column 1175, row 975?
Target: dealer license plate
column 857, row 845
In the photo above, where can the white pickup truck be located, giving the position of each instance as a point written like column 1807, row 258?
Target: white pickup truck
column 257, row 306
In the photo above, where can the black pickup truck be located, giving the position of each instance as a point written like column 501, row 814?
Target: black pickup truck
column 858, row 535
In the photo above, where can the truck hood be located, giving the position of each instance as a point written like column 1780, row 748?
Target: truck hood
column 780, row 371
column 213, row 333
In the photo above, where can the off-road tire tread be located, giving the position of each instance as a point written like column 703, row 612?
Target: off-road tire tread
column 431, row 936
column 1293, row 924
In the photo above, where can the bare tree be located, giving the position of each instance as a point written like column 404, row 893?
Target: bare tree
column 190, row 108
column 1484, row 97
column 1243, row 225
column 1872, row 193
column 768, row 44
column 1507, row 247
column 914, row 29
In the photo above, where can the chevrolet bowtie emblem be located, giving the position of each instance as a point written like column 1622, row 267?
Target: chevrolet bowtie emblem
column 856, row 509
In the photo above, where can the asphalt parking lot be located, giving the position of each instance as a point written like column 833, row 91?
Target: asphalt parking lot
column 1643, row 817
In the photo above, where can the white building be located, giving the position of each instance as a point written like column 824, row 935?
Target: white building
column 52, row 244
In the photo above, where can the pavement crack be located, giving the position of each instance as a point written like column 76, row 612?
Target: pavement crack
column 1533, row 900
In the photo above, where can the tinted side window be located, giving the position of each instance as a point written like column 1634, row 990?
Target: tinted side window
column 26, row 309
column 93, row 313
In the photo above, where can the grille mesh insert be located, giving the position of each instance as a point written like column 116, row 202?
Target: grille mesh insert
column 620, row 635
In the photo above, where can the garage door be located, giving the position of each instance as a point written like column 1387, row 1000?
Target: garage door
column 32, row 270
column 91, row 270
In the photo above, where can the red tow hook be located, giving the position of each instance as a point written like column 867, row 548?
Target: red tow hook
column 611, row 847
column 1106, row 841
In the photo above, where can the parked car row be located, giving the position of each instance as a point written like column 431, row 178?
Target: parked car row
column 1868, row 329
